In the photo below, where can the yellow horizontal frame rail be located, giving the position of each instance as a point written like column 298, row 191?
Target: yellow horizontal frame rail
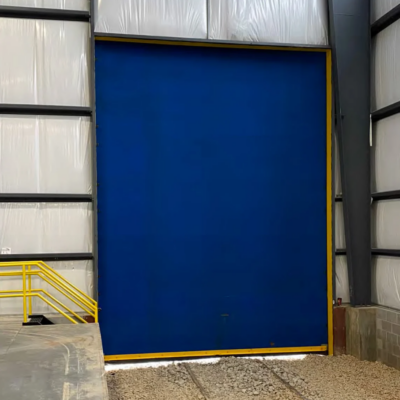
column 170, row 42
column 217, row 353
column 54, row 279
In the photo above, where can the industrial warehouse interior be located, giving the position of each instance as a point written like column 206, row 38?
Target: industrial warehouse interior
column 199, row 199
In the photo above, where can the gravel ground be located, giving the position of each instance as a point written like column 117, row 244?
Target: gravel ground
column 164, row 383
column 312, row 378
column 337, row 378
column 240, row 379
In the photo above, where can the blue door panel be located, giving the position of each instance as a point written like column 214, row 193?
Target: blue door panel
column 212, row 191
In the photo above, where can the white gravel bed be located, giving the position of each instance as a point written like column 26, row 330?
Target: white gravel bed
column 313, row 378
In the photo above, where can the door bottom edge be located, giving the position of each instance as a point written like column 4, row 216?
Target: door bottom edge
column 214, row 353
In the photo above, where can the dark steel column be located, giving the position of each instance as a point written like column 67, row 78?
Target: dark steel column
column 350, row 33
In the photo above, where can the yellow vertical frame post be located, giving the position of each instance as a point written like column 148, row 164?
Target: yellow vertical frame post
column 30, row 289
column 24, row 292
column 329, row 252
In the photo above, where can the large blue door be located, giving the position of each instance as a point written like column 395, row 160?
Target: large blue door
column 212, row 198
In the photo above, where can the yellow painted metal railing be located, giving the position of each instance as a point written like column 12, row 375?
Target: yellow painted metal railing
column 27, row 270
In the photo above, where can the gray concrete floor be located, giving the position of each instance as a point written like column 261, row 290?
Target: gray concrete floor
column 62, row 362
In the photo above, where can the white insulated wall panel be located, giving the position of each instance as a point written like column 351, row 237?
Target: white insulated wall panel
column 79, row 273
column 386, row 154
column 276, row 21
column 380, row 7
column 386, row 224
column 173, row 18
column 342, row 279
column 47, row 62
column 386, row 67
column 81, row 5
column 386, row 281
column 45, row 154
column 46, row 227
column 340, row 242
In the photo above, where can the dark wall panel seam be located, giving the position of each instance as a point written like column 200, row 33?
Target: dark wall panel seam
column 386, row 112
column 46, row 257
column 378, row 196
column 44, row 198
column 44, row 13
column 390, row 195
column 374, row 252
column 386, row 252
column 386, row 20
column 30, row 109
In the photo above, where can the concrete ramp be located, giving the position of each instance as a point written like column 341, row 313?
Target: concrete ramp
column 62, row 362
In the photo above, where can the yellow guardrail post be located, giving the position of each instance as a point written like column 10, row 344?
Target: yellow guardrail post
column 24, row 292
column 30, row 289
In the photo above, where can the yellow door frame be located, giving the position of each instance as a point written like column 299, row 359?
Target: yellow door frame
column 324, row 347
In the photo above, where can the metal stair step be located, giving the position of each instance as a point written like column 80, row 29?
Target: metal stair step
column 37, row 320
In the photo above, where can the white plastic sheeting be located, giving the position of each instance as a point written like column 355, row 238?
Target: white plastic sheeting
column 278, row 21
column 174, row 18
column 45, row 154
column 79, row 273
column 342, row 279
column 82, row 5
column 385, row 219
column 340, row 242
column 386, row 67
column 380, row 7
column 47, row 62
column 386, row 151
column 386, row 281
column 46, row 227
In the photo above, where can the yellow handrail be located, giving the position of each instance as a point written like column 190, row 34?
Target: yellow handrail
column 43, row 274
column 42, row 265
column 53, row 278
column 66, row 295
column 63, row 279
column 64, row 286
